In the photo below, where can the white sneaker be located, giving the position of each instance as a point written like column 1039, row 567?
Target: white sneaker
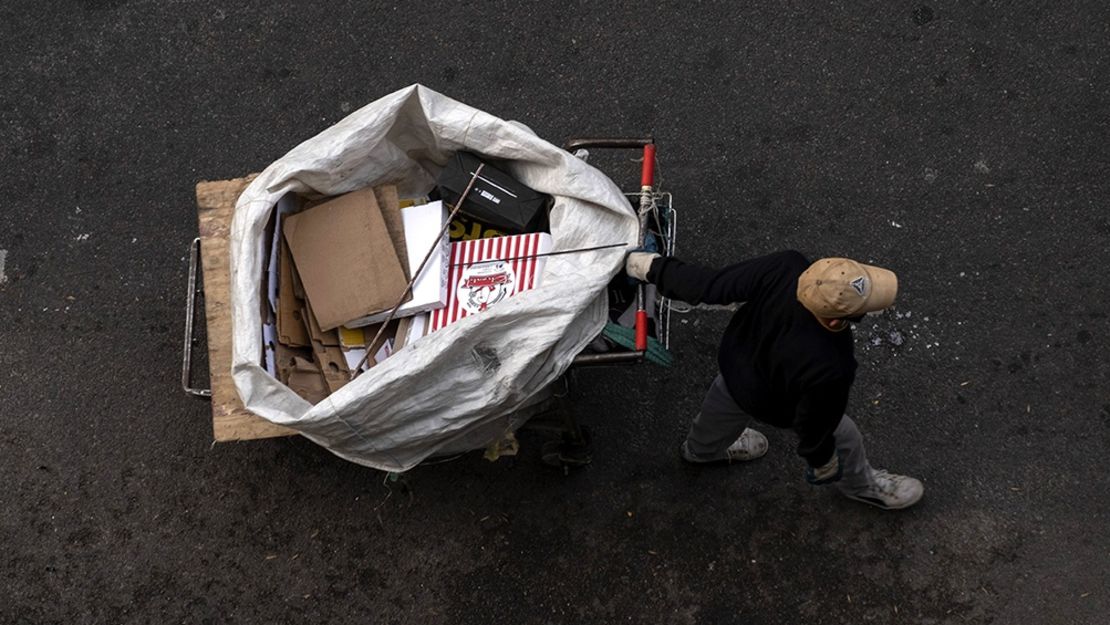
column 889, row 491
column 751, row 445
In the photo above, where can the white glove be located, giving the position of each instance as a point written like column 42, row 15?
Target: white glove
column 638, row 264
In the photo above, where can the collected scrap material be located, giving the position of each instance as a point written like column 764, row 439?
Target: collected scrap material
column 300, row 353
column 434, row 395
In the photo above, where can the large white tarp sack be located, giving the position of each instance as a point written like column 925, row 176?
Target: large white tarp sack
column 458, row 385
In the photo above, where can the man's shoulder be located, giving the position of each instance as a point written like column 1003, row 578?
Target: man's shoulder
column 791, row 262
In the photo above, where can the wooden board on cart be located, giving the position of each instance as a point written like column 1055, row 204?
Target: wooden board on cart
column 230, row 420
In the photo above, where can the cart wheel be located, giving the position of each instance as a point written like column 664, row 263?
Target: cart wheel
column 571, row 451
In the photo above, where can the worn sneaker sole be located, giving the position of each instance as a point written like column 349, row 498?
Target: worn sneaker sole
column 718, row 462
column 879, row 503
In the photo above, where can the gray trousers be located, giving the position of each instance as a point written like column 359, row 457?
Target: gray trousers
column 721, row 422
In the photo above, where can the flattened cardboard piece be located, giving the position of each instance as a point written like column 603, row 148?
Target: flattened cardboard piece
column 289, row 203
column 286, row 360
column 326, row 353
column 333, row 365
column 423, row 231
column 345, row 258
column 328, row 338
column 305, row 380
column 401, row 339
column 418, row 327
column 290, row 323
column 390, row 204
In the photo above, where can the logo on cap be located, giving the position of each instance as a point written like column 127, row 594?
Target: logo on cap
column 860, row 285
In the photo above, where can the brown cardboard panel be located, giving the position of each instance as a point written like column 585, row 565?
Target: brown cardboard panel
column 390, row 204
column 306, row 380
column 402, row 333
column 290, row 323
column 285, row 357
column 345, row 258
column 329, row 338
column 326, row 353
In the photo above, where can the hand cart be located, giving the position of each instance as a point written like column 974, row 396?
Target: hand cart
column 209, row 281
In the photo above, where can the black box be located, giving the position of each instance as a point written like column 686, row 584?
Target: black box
column 496, row 198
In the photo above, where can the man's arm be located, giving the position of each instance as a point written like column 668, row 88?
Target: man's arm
column 816, row 418
column 695, row 284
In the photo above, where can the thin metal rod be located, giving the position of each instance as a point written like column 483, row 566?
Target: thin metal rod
column 577, row 251
column 611, row 358
column 401, row 300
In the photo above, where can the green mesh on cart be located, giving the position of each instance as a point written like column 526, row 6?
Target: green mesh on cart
column 626, row 337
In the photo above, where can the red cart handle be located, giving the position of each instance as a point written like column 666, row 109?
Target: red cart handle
column 647, row 177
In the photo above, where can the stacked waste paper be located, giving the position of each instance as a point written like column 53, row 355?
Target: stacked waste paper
column 340, row 267
column 457, row 387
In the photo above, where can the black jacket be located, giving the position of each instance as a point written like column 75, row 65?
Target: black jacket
column 779, row 364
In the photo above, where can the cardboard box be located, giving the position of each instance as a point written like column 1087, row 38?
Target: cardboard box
column 465, row 228
column 424, row 230
column 345, row 258
column 484, row 272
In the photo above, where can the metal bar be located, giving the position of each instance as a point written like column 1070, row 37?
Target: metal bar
column 581, row 143
column 190, row 307
column 613, row 358
column 580, row 250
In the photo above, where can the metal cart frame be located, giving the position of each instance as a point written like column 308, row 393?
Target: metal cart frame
column 215, row 202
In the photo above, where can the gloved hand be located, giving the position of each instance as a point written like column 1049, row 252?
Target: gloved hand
column 827, row 473
column 638, row 262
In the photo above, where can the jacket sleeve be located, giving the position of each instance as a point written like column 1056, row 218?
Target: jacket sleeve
column 816, row 418
column 695, row 284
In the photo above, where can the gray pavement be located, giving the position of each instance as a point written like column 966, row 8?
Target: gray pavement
column 961, row 144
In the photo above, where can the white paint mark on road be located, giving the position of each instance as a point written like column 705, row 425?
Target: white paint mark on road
column 82, row 237
column 3, row 261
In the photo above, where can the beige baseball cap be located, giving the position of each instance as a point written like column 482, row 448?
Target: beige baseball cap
column 833, row 288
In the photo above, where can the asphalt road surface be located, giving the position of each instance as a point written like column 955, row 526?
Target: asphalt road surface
column 963, row 144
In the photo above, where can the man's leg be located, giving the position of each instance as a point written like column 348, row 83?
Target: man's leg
column 853, row 457
column 719, row 431
column 862, row 483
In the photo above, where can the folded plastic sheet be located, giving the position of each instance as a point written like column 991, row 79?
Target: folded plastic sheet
column 454, row 389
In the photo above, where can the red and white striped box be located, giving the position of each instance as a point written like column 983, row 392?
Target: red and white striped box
column 484, row 272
